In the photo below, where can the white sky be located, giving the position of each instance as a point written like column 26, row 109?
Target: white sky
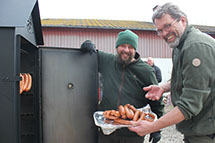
column 200, row 12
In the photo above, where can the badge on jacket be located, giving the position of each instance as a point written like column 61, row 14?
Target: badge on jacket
column 196, row 62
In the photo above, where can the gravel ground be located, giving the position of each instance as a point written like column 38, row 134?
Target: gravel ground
column 168, row 134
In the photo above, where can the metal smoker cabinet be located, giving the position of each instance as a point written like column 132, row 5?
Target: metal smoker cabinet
column 60, row 105
column 69, row 95
column 20, row 33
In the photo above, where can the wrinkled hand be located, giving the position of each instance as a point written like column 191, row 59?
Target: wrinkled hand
column 155, row 137
column 88, row 46
column 154, row 92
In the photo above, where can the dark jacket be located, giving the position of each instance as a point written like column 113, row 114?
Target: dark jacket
column 157, row 73
column 123, row 84
column 193, row 82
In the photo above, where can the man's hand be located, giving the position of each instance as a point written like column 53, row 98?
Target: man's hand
column 88, row 46
column 142, row 127
column 155, row 137
column 154, row 92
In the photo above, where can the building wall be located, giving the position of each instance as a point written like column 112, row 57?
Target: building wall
column 149, row 43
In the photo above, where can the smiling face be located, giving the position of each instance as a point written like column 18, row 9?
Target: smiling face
column 173, row 34
column 125, row 53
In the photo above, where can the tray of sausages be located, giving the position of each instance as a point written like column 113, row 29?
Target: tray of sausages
column 110, row 120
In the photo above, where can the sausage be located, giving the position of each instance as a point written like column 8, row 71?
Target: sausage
column 25, row 81
column 152, row 117
column 111, row 114
column 105, row 113
column 149, row 119
column 115, row 113
column 133, row 108
column 124, row 117
column 128, row 105
column 136, row 115
column 21, row 84
column 142, row 116
column 29, row 82
column 132, row 113
column 122, row 121
column 112, row 117
column 130, row 110
column 129, row 113
column 121, row 110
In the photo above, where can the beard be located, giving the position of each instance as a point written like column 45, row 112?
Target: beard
column 176, row 42
column 123, row 61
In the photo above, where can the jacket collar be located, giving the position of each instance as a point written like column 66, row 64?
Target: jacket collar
column 136, row 57
column 184, row 36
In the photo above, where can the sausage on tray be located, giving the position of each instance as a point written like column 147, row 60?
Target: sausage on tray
column 126, row 114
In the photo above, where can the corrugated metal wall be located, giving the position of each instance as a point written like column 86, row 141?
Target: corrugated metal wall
column 149, row 43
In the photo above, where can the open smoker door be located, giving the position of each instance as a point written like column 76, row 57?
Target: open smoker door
column 69, row 95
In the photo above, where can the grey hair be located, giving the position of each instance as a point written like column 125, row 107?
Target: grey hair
column 168, row 8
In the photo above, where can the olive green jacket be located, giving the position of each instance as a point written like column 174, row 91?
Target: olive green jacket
column 123, row 84
column 193, row 82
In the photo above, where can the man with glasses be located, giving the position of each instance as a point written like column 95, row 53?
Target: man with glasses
column 192, row 83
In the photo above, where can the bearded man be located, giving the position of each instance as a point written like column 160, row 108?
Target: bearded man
column 124, row 75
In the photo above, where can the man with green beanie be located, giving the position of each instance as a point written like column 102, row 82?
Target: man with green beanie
column 123, row 77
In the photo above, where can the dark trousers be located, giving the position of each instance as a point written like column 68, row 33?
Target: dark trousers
column 113, row 138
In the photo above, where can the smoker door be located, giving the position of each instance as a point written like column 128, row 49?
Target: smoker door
column 69, row 95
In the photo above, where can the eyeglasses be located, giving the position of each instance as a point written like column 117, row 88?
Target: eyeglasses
column 165, row 28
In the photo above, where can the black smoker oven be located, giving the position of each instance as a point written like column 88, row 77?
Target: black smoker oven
column 60, row 104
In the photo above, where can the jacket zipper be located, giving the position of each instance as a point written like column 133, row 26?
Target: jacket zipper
column 121, row 85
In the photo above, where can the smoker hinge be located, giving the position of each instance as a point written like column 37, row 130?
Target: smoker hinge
column 9, row 79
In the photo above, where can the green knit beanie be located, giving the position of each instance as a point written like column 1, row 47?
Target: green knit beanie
column 127, row 37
